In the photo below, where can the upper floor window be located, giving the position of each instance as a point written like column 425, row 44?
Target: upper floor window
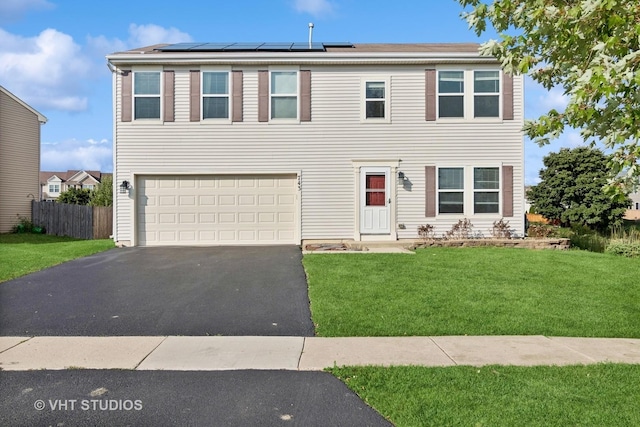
column 284, row 94
column 451, row 93
column 375, row 100
column 468, row 94
column 486, row 94
column 215, row 95
column 146, row 95
column 88, row 186
column 54, row 188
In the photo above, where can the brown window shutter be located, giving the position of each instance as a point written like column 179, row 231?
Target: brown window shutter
column 305, row 96
column 430, row 180
column 169, row 96
column 507, row 96
column 194, row 96
column 236, row 115
column 263, row 96
column 127, row 89
column 507, row 191
column 430, row 95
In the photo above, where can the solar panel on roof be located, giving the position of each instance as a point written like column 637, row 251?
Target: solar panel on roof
column 305, row 46
column 179, row 47
column 276, row 46
column 337, row 44
column 248, row 47
column 243, row 46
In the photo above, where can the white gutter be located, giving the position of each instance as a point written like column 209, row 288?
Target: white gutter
column 329, row 58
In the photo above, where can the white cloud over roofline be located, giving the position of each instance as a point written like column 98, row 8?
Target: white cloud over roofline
column 74, row 154
column 45, row 70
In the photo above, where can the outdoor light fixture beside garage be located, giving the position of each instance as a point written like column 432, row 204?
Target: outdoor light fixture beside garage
column 124, row 187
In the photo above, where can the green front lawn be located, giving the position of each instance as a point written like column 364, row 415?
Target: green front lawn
column 593, row 395
column 22, row 254
column 475, row 291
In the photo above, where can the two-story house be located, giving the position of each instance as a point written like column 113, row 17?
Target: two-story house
column 54, row 183
column 19, row 158
column 273, row 143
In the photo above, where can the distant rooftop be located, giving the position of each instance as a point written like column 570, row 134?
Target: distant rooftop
column 253, row 47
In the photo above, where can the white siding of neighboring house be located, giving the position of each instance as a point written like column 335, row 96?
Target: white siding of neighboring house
column 323, row 149
column 19, row 161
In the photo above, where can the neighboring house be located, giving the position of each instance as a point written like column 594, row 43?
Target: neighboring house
column 54, row 183
column 633, row 213
column 19, row 158
column 279, row 143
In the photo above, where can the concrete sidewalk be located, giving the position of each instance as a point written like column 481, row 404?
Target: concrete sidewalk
column 215, row 353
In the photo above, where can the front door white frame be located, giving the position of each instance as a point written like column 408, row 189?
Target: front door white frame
column 366, row 230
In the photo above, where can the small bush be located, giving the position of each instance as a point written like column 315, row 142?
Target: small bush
column 625, row 248
column 460, row 230
column 540, row 230
column 589, row 242
column 426, row 232
column 24, row 225
column 501, row 229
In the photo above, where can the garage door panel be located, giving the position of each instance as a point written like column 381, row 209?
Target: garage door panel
column 188, row 210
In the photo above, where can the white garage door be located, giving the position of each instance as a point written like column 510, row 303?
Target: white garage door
column 216, row 210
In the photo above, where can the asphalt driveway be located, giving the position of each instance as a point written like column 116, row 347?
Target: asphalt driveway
column 163, row 291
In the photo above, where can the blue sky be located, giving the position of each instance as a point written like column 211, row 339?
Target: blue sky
column 52, row 54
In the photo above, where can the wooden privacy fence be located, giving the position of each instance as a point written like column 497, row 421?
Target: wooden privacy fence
column 81, row 222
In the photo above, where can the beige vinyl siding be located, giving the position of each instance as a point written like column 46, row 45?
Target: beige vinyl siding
column 19, row 161
column 322, row 150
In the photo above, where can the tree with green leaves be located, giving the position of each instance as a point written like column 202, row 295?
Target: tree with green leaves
column 102, row 195
column 75, row 196
column 571, row 190
column 591, row 49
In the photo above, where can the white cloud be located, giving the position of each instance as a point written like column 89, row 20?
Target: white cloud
column 314, row 7
column 147, row 35
column 553, row 99
column 11, row 10
column 74, row 154
column 540, row 100
column 46, row 71
column 139, row 36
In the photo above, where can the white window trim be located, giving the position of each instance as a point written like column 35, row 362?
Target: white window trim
column 229, row 94
column 469, row 94
column 53, row 191
column 134, row 96
column 387, row 98
column 469, row 191
column 297, row 94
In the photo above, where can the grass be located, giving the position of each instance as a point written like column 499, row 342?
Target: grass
column 591, row 395
column 22, row 254
column 475, row 291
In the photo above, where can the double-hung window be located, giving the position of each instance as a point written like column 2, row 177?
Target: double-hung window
column 375, row 99
column 468, row 94
column 451, row 93
column 486, row 190
column 54, row 188
column 284, row 95
column 486, row 94
column 146, row 95
column 450, row 190
column 468, row 190
column 215, row 95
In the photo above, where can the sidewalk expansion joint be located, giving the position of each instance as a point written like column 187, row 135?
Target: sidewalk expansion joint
column 444, row 351
column 149, row 354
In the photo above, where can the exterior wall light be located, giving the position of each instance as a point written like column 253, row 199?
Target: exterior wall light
column 124, row 187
